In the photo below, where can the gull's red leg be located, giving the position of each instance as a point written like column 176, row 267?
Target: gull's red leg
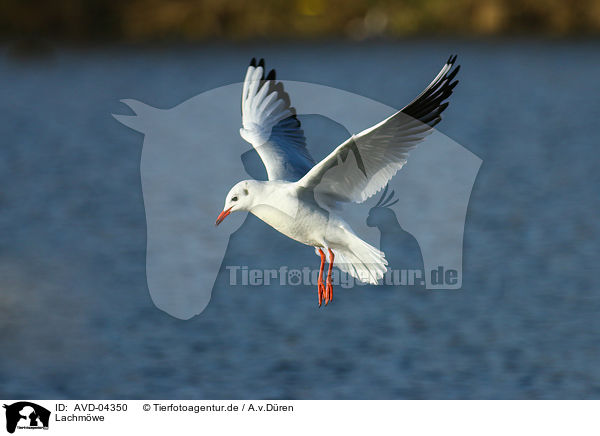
column 321, row 286
column 329, row 293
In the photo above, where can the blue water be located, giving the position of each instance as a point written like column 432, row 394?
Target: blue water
column 76, row 319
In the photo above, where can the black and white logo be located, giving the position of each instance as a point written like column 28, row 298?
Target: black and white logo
column 26, row 415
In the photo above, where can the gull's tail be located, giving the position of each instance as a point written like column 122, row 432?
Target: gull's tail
column 361, row 260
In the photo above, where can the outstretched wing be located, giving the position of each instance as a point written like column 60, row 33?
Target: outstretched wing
column 269, row 123
column 365, row 163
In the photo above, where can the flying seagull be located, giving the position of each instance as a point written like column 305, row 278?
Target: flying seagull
column 301, row 198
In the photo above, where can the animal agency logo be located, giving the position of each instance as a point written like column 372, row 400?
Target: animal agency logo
column 193, row 154
column 25, row 415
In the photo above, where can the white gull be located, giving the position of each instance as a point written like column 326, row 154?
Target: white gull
column 300, row 198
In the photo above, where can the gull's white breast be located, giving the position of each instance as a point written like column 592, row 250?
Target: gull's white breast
column 280, row 207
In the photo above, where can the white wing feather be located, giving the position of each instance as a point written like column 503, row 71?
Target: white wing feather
column 269, row 123
column 366, row 162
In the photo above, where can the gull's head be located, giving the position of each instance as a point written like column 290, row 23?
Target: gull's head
column 240, row 197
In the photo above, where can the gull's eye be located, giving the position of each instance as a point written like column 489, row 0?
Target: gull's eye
column 234, row 198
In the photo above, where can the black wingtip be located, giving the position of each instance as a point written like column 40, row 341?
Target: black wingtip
column 253, row 62
column 453, row 74
column 272, row 75
column 261, row 63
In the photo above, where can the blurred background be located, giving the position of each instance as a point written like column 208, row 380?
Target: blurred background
column 198, row 20
column 76, row 319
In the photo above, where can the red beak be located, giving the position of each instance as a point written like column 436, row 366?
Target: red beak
column 222, row 216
